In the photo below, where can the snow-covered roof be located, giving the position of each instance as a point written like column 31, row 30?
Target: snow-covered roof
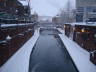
column 13, row 25
column 83, row 23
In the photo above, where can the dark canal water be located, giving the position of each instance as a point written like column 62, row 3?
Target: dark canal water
column 50, row 55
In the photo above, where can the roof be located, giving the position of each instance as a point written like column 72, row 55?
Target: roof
column 83, row 24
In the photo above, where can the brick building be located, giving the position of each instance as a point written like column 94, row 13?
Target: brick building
column 27, row 11
column 26, row 6
column 14, row 7
column 10, row 6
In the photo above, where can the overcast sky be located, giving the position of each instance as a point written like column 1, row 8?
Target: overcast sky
column 48, row 7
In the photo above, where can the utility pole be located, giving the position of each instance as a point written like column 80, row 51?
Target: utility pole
column 68, row 11
column 29, row 7
column 29, row 11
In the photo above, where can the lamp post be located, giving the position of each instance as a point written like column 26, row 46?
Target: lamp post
column 68, row 11
column 29, row 6
column 28, row 10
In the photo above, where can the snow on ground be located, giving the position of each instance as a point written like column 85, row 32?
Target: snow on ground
column 19, row 62
column 80, row 57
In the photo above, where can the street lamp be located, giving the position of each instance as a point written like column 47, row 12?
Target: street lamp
column 29, row 10
column 29, row 6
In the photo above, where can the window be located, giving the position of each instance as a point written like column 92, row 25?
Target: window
column 91, row 9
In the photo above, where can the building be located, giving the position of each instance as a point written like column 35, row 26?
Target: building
column 26, row 6
column 11, row 9
column 18, row 8
column 34, row 17
column 26, row 11
column 85, row 9
column 10, row 6
column 67, row 17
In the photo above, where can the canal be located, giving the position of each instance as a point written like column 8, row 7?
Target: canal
column 50, row 55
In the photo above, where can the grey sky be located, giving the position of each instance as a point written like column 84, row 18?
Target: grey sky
column 48, row 7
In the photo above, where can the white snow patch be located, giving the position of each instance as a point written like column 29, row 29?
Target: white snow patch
column 19, row 62
column 12, row 25
column 8, row 37
column 83, row 23
column 25, row 3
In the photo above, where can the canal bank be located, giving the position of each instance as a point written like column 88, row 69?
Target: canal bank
column 19, row 62
column 50, row 55
column 80, row 57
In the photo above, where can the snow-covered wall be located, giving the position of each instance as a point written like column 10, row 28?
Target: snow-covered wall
column 80, row 57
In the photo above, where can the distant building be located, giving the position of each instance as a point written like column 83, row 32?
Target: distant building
column 34, row 17
column 66, row 17
column 55, row 19
column 85, row 9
